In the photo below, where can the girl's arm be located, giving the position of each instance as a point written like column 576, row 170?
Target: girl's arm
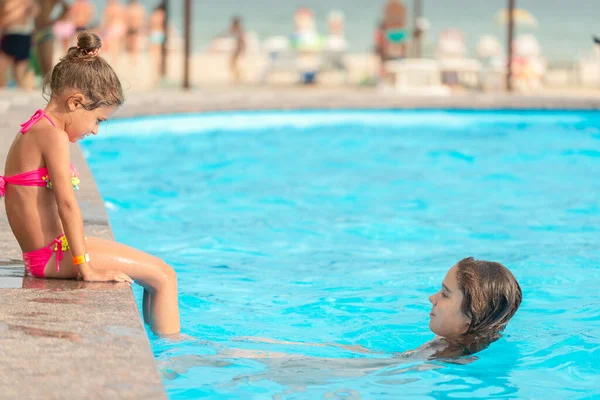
column 35, row 9
column 56, row 153
column 354, row 348
column 65, row 10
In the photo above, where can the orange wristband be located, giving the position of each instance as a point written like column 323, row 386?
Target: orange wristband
column 81, row 259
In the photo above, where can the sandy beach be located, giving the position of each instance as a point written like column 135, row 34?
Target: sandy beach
column 212, row 70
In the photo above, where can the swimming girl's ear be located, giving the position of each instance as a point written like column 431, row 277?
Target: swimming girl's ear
column 75, row 101
column 466, row 322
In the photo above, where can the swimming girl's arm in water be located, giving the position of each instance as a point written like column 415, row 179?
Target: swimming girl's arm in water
column 354, row 348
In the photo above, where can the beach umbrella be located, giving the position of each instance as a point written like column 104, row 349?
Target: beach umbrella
column 520, row 16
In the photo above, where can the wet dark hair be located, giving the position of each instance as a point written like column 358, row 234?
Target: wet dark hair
column 84, row 70
column 492, row 295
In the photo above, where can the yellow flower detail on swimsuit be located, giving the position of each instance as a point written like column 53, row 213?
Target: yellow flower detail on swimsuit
column 64, row 244
column 75, row 181
column 48, row 182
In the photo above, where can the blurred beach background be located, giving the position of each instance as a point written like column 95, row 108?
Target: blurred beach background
column 559, row 42
column 564, row 32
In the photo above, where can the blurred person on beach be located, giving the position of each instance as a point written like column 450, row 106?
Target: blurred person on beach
column 335, row 46
column 135, row 17
column 529, row 66
column 307, row 44
column 391, row 39
column 379, row 46
column 113, row 28
column 43, row 37
column 157, row 34
column 236, row 30
column 396, row 35
column 336, row 40
column 64, row 28
column 82, row 13
column 39, row 189
column 17, row 27
column 306, row 38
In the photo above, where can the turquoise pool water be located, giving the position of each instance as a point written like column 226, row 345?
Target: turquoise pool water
column 334, row 227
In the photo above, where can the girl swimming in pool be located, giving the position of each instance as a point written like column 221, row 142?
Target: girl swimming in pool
column 475, row 302
column 473, row 306
column 39, row 188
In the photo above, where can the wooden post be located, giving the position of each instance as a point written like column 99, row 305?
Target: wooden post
column 188, row 43
column 509, row 58
column 418, row 35
column 163, row 61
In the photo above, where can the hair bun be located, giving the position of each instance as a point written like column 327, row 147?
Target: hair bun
column 88, row 42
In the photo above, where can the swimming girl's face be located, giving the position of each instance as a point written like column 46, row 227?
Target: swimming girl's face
column 446, row 317
column 83, row 122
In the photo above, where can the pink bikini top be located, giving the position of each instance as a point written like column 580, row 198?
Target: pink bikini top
column 38, row 177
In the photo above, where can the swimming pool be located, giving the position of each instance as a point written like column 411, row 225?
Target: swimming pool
column 334, row 227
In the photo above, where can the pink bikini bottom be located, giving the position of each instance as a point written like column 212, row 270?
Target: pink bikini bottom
column 35, row 261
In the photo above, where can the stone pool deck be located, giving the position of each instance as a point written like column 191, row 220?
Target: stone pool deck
column 67, row 339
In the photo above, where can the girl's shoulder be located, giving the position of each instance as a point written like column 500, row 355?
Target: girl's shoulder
column 48, row 139
column 45, row 133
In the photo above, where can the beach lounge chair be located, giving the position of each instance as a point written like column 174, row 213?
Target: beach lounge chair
column 529, row 66
column 281, row 58
column 588, row 68
column 335, row 46
column 491, row 55
column 456, row 68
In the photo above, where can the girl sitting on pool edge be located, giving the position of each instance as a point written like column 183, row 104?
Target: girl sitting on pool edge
column 39, row 187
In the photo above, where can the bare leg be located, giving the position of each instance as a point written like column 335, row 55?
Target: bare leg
column 156, row 55
column 157, row 278
column 5, row 62
column 234, row 67
column 146, row 307
column 24, row 75
column 46, row 56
